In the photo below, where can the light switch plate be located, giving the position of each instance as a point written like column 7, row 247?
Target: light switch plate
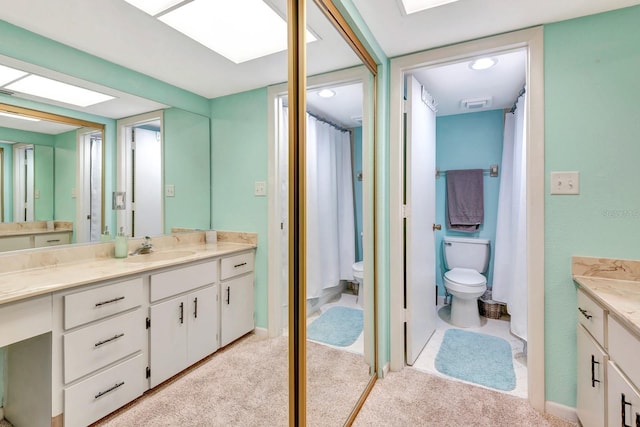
column 565, row 182
column 170, row 190
column 260, row 188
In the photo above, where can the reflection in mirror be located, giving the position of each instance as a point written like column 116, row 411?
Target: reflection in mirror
column 41, row 191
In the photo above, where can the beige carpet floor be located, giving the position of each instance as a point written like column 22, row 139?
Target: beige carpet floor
column 414, row 398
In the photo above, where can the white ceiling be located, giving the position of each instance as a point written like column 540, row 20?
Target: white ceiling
column 120, row 33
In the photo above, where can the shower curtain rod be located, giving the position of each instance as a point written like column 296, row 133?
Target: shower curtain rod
column 329, row 122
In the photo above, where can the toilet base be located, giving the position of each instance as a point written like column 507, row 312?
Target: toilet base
column 464, row 312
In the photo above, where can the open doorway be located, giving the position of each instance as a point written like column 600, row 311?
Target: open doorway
column 89, row 185
column 140, row 175
column 23, row 194
column 529, row 44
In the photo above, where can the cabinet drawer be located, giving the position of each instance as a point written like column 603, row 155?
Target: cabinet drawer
column 236, row 265
column 591, row 380
column 97, row 303
column 624, row 349
column 52, row 239
column 179, row 280
column 96, row 346
column 15, row 243
column 24, row 319
column 101, row 394
column 623, row 400
column 591, row 316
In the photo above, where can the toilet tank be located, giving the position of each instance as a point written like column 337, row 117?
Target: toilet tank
column 466, row 252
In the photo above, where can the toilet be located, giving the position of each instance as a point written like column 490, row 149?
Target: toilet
column 358, row 275
column 466, row 259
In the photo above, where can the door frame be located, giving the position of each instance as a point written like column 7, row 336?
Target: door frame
column 275, row 295
column 532, row 40
column 82, row 189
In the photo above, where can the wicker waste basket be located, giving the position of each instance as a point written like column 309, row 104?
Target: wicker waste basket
column 488, row 307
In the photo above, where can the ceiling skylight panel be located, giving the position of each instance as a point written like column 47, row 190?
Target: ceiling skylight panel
column 153, row 7
column 7, row 74
column 413, row 6
column 239, row 30
column 57, row 91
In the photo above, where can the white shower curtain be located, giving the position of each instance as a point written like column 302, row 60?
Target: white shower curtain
column 510, row 262
column 330, row 212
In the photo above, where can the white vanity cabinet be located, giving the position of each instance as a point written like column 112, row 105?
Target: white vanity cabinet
column 28, row 241
column 624, row 376
column 103, row 342
column 237, row 294
column 183, row 318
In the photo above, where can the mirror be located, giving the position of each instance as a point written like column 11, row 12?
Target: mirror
column 51, row 171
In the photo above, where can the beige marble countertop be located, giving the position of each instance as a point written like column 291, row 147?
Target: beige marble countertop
column 12, row 229
column 12, row 233
column 615, row 284
column 25, row 283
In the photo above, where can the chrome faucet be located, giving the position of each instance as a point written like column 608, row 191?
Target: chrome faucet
column 146, row 247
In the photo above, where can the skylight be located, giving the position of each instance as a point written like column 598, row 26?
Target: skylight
column 57, row 91
column 239, row 30
column 7, row 75
column 413, row 6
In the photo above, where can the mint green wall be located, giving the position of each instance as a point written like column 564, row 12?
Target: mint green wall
column 7, row 179
column 469, row 141
column 187, row 167
column 591, row 126
column 238, row 159
column 43, row 181
column 65, row 177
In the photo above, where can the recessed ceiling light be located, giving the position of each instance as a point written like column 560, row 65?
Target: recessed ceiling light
column 18, row 116
column 326, row 93
column 7, row 75
column 413, row 6
column 483, row 63
column 57, row 91
column 238, row 30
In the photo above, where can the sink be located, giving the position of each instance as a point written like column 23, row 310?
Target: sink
column 159, row 256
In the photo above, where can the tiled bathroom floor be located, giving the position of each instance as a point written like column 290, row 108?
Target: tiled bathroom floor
column 495, row 327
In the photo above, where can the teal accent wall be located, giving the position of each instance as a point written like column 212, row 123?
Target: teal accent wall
column 239, row 157
column 43, row 182
column 357, row 187
column 591, row 126
column 187, row 167
column 468, row 141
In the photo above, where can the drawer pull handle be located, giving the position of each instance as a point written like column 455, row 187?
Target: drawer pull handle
column 98, row 304
column 585, row 313
column 195, row 308
column 181, row 313
column 115, row 337
column 102, row 393
column 239, row 265
column 53, row 240
column 593, row 369
column 623, row 404
column 228, row 294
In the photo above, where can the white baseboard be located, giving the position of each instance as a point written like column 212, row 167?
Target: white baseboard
column 261, row 332
column 561, row 411
column 385, row 370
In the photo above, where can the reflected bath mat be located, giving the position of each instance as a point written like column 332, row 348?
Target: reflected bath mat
column 477, row 358
column 339, row 326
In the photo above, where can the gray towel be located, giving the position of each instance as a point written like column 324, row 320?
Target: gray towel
column 465, row 200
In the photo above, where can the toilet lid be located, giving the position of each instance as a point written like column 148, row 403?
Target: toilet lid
column 466, row 276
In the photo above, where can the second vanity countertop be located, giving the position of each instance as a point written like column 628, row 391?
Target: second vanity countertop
column 26, row 283
column 614, row 284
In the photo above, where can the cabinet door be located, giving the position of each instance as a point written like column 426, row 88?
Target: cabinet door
column 203, row 323
column 591, row 380
column 236, row 308
column 623, row 405
column 168, row 346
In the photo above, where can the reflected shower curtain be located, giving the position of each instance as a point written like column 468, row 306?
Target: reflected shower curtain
column 330, row 211
column 510, row 263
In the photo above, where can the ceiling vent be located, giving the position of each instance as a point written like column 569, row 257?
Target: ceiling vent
column 476, row 103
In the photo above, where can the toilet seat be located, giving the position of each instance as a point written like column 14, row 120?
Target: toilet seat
column 465, row 277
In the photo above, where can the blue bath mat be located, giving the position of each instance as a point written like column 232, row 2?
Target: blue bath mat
column 339, row 326
column 477, row 358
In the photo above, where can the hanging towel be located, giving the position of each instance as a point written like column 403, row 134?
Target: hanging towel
column 465, row 200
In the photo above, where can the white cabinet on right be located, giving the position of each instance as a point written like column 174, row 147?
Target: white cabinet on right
column 236, row 291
